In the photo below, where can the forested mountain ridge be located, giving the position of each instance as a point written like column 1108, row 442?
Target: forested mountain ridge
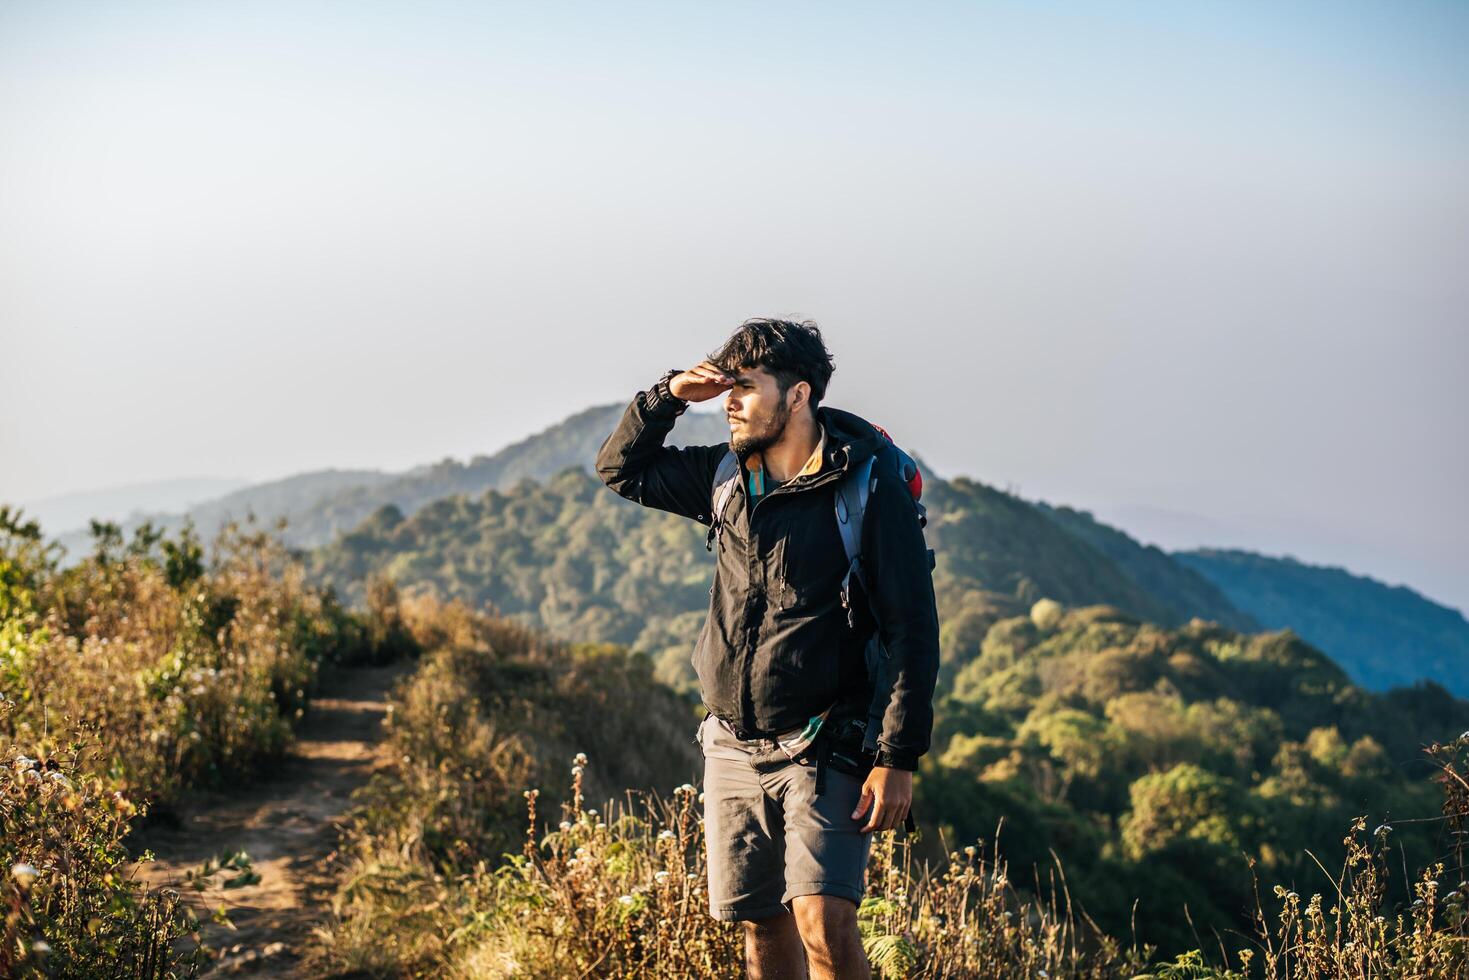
column 1153, row 569
column 1383, row 635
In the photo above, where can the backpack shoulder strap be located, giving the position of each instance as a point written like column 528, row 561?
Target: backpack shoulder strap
column 853, row 492
column 725, row 478
column 851, row 504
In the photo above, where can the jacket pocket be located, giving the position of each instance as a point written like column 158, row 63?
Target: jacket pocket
column 808, row 560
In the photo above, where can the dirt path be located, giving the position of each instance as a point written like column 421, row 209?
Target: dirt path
column 286, row 823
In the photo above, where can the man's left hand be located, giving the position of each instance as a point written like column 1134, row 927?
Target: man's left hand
column 889, row 792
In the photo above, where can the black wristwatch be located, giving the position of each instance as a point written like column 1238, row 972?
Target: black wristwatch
column 665, row 394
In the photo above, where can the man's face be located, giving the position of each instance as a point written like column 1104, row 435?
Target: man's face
column 756, row 411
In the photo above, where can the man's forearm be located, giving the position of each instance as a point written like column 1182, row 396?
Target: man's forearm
column 640, row 433
column 635, row 463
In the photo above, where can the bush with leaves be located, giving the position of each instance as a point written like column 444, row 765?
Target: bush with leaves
column 194, row 672
column 70, row 908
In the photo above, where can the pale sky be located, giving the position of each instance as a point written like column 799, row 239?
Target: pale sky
column 1197, row 257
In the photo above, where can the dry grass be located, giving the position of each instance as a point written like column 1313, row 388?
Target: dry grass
column 1352, row 931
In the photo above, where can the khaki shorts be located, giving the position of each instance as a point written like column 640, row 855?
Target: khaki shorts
column 768, row 835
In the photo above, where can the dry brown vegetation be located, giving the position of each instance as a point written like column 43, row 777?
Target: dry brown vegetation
column 141, row 672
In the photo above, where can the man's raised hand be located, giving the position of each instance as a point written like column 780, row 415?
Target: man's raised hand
column 700, row 383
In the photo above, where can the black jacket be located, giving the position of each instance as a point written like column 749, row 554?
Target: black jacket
column 776, row 647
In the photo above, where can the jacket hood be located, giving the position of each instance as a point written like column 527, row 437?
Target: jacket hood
column 849, row 432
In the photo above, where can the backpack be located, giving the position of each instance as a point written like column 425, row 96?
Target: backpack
column 851, row 511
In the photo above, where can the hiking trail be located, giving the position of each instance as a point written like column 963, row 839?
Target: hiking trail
column 286, row 821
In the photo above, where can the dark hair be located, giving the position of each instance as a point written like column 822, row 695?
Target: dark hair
column 788, row 350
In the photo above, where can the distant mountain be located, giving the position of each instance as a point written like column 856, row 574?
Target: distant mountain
column 572, row 442
column 1179, row 587
column 319, row 504
column 70, row 511
column 1383, row 635
column 266, row 501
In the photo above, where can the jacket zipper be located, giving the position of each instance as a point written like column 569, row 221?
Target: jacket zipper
column 822, row 481
column 750, row 522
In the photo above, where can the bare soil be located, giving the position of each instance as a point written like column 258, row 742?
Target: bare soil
column 287, row 822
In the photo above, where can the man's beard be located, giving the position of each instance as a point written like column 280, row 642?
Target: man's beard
column 749, row 442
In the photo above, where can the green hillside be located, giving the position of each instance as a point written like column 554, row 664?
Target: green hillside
column 1383, row 635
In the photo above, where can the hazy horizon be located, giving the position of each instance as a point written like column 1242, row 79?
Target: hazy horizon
column 1205, row 259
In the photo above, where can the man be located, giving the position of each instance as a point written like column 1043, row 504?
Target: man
column 780, row 664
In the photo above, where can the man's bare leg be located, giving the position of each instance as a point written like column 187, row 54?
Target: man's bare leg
column 773, row 949
column 828, row 928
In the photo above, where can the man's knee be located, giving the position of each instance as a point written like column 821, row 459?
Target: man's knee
column 781, row 923
column 824, row 919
